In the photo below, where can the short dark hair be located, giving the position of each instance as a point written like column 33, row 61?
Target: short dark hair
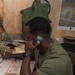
column 39, row 24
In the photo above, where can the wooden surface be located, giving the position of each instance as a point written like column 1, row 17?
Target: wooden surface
column 12, row 16
column 12, row 66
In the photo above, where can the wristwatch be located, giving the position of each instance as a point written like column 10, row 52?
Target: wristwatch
column 26, row 54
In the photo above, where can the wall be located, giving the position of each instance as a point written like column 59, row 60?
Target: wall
column 1, row 7
column 12, row 17
column 1, row 15
column 54, row 16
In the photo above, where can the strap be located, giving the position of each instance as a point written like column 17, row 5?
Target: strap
column 48, row 5
column 39, row 1
column 36, row 1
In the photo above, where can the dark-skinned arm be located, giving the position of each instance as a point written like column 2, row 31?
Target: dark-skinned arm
column 25, row 68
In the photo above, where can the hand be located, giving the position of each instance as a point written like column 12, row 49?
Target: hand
column 29, row 47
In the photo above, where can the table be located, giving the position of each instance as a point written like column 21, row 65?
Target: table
column 12, row 66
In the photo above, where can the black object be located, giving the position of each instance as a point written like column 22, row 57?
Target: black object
column 11, row 46
column 68, row 47
column 71, row 48
column 16, row 56
column 38, row 38
column 74, row 69
column 26, row 54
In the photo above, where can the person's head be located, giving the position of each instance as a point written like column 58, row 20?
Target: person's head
column 38, row 26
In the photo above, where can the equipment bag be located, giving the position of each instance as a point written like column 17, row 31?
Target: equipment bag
column 37, row 9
